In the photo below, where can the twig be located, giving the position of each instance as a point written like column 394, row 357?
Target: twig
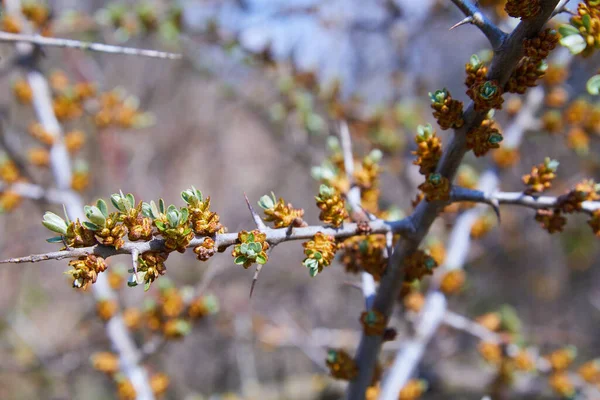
column 36, row 192
column 224, row 240
column 38, row 40
column 412, row 351
column 494, row 34
column 426, row 212
column 353, row 197
column 518, row 199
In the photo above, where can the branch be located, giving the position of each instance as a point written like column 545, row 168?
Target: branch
column 368, row 286
column 409, row 355
column 36, row 192
column 474, row 16
column 222, row 241
column 502, row 65
column 517, row 198
column 60, row 164
column 7, row 37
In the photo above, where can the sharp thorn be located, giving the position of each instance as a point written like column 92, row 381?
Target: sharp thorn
column 468, row 20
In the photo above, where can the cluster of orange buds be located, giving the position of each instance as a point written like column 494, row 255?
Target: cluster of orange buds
column 159, row 383
column 523, row 9
column 413, row 390
column 486, row 95
column 366, row 176
column 584, row 25
column 418, row 265
column 332, row 205
column 205, row 250
column 81, row 177
column 74, row 140
column 447, row 111
column 532, row 66
column 436, row 187
column 251, row 248
column 139, row 226
column 552, row 121
column 204, row 221
column 118, row 109
column 586, row 190
column 551, row 220
column 105, row 362
column 125, row 389
column 562, row 359
column 364, row 253
column 10, row 23
column 482, row 225
column 373, row 322
column 38, row 156
column 281, row 214
column 319, row 252
column 172, row 224
column 429, row 149
column 541, row 176
column 22, row 91
column 506, row 157
column 39, row 14
column 523, row 361
column 559, row 361
column 484, row 138
column 453, row 281
column 152, row 265
column 526, row 75
column 476, row 72
column 491, row 352
column 341, row 365
column 590, row 371
column 414, row 301
column 562, row 384
column 539, row 47
column 106, row 308
column 85, row 270
column 37, row 131
column 9, row 174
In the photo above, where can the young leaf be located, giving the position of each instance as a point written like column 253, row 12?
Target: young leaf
column 55, row 239
column 54, row 223
column 101, row 204
column 239, row 260
column 161, row 206
column 90, row 226
column 593, row 85
column 261, row 259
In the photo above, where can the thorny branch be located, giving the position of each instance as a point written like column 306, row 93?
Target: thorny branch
column 474, row 16
column 502, row 66
column 222, row 241
column 38, row 40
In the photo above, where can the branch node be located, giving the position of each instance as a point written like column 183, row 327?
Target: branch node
column 257, row 219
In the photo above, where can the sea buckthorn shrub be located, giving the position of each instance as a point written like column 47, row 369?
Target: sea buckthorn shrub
column 341, row 188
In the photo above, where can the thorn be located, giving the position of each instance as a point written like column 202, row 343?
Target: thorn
column 258, row 269
column 257, row 219
column 468, row 20
column 496, row 206
column 135, row 253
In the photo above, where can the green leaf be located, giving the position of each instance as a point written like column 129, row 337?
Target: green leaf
column 239, row 260
column 131, row 200
column 66, row 215
column 593, row 85
column 161, row 206
column 184, row 216
column 101, row 204
column 313, row 272
column 147, row 286
column 256, row 247
column 94, row 214
column 567, row 30
column 115, row 199
column 587, row 21
column 173, row 217
column 266, row 202
column 250, row 237
column 147, row 210
column 575, row 43
column 244, row 248
column 261, row 259
column 159, row 225
column 55, row 239
column 54, row 223
column 90, row 226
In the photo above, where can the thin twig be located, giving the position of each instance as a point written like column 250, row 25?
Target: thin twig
column 38, row 40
